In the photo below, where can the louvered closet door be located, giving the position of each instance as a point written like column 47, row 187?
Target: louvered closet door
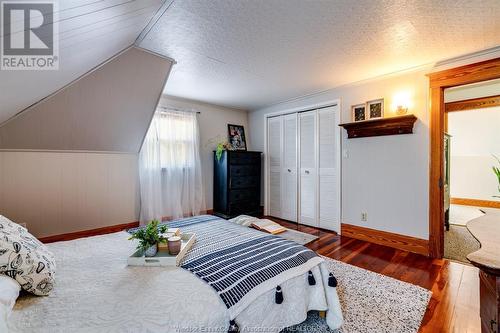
column 274, row 160
column 328, row 169
column 307, row 138
column 289, row 169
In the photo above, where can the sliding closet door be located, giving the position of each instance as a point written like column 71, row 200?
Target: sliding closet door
column 328, row 169
column 289, row 169
column 308, row 176
column 274, row 148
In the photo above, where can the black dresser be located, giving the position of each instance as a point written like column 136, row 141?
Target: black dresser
column 237, row 183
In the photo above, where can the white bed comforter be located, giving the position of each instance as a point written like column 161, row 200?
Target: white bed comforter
column 96, row 291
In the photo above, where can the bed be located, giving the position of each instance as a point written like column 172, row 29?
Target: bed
column 96, row 291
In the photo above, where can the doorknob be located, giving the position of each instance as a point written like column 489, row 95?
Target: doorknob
column 307, row 171
column 289, row 170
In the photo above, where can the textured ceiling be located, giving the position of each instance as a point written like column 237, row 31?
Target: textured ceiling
column 249, row 54
column 90, row 32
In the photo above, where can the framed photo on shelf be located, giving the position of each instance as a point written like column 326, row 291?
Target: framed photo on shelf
column 375, row 108
column 236, row 137
column 358, row 112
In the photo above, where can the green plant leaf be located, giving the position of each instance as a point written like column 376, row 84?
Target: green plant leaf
column 149, row 235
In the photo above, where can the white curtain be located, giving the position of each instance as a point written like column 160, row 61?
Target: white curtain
column 170, row 167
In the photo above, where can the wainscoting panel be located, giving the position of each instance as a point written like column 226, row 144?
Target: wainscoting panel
column 63, row 192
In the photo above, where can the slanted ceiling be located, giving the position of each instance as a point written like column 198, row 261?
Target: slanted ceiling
column 89, row 33
column 107, row 110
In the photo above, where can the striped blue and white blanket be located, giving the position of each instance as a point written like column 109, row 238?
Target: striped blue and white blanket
column 241, row 263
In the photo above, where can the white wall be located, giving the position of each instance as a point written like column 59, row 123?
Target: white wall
column 475, row 138
column 213, row 122
column 474, row 90
column 387, row 176
column 61, row 192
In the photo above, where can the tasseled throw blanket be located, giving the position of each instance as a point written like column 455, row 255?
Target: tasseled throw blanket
column 241, row 263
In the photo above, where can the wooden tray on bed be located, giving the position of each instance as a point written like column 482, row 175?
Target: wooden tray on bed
column 162, row 257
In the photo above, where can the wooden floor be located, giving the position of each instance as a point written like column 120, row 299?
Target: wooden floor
column 454, row 306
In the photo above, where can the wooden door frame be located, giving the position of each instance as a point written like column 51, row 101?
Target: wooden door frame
column 438, row 82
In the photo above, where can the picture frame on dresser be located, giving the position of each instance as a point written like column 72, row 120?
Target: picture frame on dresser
column 236, row 137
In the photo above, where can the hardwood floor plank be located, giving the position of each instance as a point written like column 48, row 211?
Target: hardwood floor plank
column 454, row 305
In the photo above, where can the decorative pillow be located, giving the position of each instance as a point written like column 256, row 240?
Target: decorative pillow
column 8, row 225
column 244, row 220
column 25, row 259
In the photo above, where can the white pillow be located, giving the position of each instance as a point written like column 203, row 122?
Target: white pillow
column 9, row 292
column 25, row 259
column 244, row 220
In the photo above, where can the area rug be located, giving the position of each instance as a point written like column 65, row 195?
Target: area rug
column 458, row 243
column 297, row 236
column 460, row 215
column 371, row 302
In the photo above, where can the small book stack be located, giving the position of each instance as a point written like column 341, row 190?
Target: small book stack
column 268, row 226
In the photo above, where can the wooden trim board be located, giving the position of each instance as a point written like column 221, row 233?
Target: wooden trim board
column 99, row 231
column 438, row 82
column 88, row 233
column 401, row 242
column 473, row 104
column 475, row 202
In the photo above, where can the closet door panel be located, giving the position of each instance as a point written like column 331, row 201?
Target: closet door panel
column 289, row 170
column 308, row 175
column 328, row 173
column 274, row 148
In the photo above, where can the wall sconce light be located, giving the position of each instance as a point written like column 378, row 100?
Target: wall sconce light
column 401, row 102
column 401, row 110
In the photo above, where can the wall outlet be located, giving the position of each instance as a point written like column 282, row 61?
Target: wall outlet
column 364, row 217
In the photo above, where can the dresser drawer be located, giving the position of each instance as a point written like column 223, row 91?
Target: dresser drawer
column 243, row 207
column 243, row 170
column 243, row 195
column 244, row 182
column 243, row 158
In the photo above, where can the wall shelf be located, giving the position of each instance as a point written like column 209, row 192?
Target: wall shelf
column 381, row 126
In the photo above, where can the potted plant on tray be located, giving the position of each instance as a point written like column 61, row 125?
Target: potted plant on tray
column 149, row 237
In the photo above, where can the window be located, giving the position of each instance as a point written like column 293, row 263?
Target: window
column 170, row 167
column 177, row 133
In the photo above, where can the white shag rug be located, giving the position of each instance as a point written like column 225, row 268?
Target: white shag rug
column 372, row 302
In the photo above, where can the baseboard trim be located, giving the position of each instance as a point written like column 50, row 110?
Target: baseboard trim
column 401, row 242
column 100, row 231
column 88, row 233
column 475, row 202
